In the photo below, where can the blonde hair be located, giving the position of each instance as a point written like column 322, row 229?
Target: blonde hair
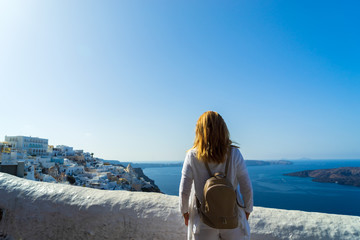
column 212, row 138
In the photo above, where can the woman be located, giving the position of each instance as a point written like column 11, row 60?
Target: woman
column 212, row 145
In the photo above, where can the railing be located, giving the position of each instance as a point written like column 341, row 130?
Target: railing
column 37, row 210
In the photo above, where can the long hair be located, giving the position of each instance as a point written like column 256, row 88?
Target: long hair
column 212, row 138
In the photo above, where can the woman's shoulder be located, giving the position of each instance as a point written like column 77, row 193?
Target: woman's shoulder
column 191, row 154
column 235, row 150
column 236, row 154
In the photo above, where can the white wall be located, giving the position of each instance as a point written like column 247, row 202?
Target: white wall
column 38, row 210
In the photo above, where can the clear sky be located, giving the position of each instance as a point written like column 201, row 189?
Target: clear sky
column 128, row 80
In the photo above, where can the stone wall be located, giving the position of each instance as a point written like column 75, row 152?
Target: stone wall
column 37, row 210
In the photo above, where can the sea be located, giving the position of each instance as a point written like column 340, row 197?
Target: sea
column 274, row 190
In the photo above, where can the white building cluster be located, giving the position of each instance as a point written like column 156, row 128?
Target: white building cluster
column 33, row 159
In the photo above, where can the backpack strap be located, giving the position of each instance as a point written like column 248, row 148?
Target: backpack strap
column 208, row 169
column 227, row 162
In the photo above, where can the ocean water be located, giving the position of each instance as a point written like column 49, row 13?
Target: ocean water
column 274, row 190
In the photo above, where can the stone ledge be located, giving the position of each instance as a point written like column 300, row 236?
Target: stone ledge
column 38, row 210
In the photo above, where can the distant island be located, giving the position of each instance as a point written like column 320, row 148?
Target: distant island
column 264, row 163
column 145, row 165
column 180, row 164
column 344, row 175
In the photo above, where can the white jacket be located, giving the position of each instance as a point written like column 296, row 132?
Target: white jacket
column 194, row 171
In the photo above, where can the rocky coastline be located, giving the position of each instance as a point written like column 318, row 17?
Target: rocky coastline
column 152, row 187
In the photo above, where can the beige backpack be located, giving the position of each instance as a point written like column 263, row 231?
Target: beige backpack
column 219, row 207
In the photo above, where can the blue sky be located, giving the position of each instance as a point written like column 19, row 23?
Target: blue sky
column 128, row 80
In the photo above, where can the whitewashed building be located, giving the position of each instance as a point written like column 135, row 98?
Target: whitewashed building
column 53, row 151
column 70, row 168
column 32, row 145
column 46, row 162
column 7, row 155
column 66, row 150
column 5, row 152
column 79, row 152
column 87, row 156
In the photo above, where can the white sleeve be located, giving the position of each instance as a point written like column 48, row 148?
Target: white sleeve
column 244, row 182
column 185, row 184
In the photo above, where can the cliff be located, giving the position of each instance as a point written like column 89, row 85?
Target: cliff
column 38, row 210
column 344, row 175
column 152, row 187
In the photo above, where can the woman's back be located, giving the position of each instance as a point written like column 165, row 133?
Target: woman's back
column 212, row 145
column 196, row 169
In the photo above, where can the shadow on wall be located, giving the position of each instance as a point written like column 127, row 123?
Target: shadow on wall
column 39, row 210
column 3, row 236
